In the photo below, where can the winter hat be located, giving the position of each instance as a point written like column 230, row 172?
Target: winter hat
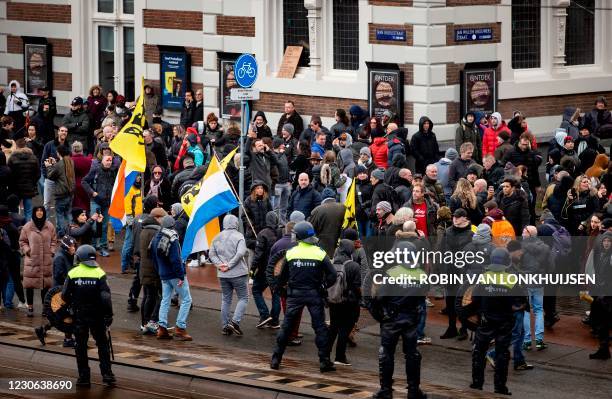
column 328, row 193
column 388, row 114
column 567, row 138
column 77, row 101
column 384, row 206
column 365, row 150
column 289, row 128
column 296, row 217
column 168, row 222
column 460, row 213
column 500, row 256
column 360, row 169
column 451, row 154
column 473, row 169
column 379, row 173
column 545, row 230
column 497, row 116
column 483, row 234
column 177, row 208
column 277, row 142
column 67, row 241
column 350, row 234
column 76, row 212
column 192, row 139
column 149, row 203
column 605, row 224
column 158, row 213
column 509, row 169
column 490, row 205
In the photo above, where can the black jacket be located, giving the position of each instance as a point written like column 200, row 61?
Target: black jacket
column 424, row 146
column 187, row 114
column 256, row 210
column 265, row 239
column 304, row 200
column 495, row 175
column 296, row 120
column 381, row 192
column 84, row 233
column 516, row 209
column 178, row 180
column 87, row 291
column 100, row 180
column 363, row 198
column 25, row 173
column 529, row 158
column 62, row 263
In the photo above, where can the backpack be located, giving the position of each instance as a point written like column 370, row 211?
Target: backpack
column 338, row 293
column 467, row 312
column 502, row 233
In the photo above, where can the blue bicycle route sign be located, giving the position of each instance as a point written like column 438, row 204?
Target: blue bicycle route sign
column 245, row 70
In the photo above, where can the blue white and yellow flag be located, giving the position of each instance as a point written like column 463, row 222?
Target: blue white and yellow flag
column 214, row 199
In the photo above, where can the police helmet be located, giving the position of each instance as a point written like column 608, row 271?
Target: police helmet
column 86, row 254
column 305, row 232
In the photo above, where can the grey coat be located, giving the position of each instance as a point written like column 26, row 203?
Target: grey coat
column 229, row 248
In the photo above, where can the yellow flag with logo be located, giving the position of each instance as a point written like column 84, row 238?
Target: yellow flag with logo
column 350, row 219
column 228, row 158
column 129, row 142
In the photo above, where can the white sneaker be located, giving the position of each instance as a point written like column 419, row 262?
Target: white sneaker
column 194, row 263
column 152, row 327
column 424, row 341
column 22, row 305
column 429, row 303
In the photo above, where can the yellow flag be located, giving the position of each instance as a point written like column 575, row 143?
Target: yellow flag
column 129, row 142
column 350, row 221
column 228, row 158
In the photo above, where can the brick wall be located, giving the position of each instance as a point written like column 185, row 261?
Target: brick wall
column 409, row 112
column 306, row 105
column 392, row 3
column 452, row 73
column 551, row 105
column 408, row 70
column 37, row 12
column 452, row 112
column 151, row 54
column 171, row 19
column 236, row 26
column 372, row 34
column 450, row 33
column 61, row 80
column 457, row 3
column 61, row 47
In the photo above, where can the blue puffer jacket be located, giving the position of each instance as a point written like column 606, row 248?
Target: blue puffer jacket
column 304, row 200
column 168, row 266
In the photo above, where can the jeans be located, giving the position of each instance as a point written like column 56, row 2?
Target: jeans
column 8, row 291
column 100, row 242
column 228, row 286
column 365, row 228
column 422, row 320
column 280, row 200
column 49, row 196
column 63, row 206
column 259, row 286
column 536, row 302
column 27, row 209
column 518, row 335
column 128, row 249
column 169, row 286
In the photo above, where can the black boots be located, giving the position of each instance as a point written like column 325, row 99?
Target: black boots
column 132, row 305
column 275, row 361
column 326, row 365
column 383, row 393
column 449, row 333
column 109, row 379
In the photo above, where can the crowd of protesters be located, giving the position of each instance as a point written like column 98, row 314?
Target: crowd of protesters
column 484, row 192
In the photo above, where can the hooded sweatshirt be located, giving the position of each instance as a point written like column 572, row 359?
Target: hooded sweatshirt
column 13, row 99
column 424, row 146
column 443, row 166
column 229, row 248
column 489, row 140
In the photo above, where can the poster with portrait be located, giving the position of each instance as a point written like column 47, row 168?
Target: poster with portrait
column 37, row 61
column 479, row 90
column 229, row 109
column 174, row 77
column 385, row 90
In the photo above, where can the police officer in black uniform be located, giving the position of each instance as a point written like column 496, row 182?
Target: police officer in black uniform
column 496, row 300
column 86, row 290
column 307, row 271
column 398, row 308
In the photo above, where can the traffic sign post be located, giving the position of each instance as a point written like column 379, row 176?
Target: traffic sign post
column 245, row 73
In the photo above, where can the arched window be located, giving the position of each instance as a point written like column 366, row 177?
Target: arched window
column 526, row 34
column 346, row 34
column 580, row 33
column 295, row 28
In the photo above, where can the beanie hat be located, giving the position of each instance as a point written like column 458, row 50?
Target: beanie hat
column 451, row 154
column 384, row 206
column 296, row 217
column 473, row 169
column 328, row 193
column 361, row 169
column 497, row 116
column 167, row 222
column 379, row 173
column 350, row 234
column 500, row 256
column 277, row 142
column 289, row 128
column 67, row 241
column 158, row 213
column 76, row 212
column 365, row 150
column 509, row 169
column 545, row 230
column 482, row 234
column 177, row 208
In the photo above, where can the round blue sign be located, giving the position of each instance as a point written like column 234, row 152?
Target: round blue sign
column 245, row 70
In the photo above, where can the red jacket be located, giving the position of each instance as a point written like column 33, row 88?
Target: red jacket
column 380, row 152
column 489, row 139
column 82, row 164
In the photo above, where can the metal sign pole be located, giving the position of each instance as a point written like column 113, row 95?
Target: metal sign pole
column 243, row 124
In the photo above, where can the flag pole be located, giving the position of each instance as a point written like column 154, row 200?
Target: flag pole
column 234, row 191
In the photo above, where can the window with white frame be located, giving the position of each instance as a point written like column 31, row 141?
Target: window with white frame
column 113, row 24
column 346, row 34
column 526, row 34
column 295, row 28
column 580, row 33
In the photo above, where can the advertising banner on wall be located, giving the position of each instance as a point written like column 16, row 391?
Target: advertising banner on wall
column 479, row 89
column 174, row 67
column 385, row 89
column 38, row 69
column 229, row 109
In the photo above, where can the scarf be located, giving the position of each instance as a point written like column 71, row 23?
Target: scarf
column 39, row 223
column 154, row 187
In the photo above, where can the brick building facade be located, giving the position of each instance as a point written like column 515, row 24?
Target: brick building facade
column 114, row 42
